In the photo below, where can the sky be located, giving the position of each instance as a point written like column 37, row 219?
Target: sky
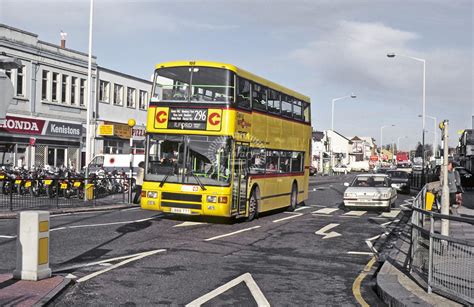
column 324, row 49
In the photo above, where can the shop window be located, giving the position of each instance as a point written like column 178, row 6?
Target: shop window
column 259, row 97
column 44, row 85
column 118, row 94
column 104, row 89
column 73, row 90
column 113, row 146
column 257, row 161
column 130, row 97
column 243, row 93
column 82, row 92
column 274, row 102
column 55, row 87
column 20, row 81
column 64, row 79
column 143, row 100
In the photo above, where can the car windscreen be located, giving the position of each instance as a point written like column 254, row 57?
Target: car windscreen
column 370, row 181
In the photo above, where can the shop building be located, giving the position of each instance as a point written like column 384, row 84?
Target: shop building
column 45, row 123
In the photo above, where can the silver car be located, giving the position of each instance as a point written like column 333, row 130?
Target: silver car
column 370, row 191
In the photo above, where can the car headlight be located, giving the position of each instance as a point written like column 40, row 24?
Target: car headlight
column 152, row 194
column 350, row 194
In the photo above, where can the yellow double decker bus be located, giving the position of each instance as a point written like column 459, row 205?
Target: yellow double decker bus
column 224, row 142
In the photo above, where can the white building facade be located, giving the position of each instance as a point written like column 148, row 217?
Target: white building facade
column 45, row 122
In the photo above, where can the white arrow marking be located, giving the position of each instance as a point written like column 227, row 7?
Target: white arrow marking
column 327, row 235
column 184, row 224
column 249, row 281
column 140, row 256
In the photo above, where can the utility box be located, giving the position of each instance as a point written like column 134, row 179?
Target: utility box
column 32, row 246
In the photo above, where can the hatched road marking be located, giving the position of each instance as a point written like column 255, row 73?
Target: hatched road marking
column 390, row 214
column 325, row 211
column 355, row 213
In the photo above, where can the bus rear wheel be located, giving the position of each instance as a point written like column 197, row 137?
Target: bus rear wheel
column 293, row 198
column 253, row 207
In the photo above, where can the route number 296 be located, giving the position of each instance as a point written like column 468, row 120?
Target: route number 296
column 200, row 115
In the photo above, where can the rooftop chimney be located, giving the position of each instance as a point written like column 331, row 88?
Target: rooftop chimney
column 63, row 39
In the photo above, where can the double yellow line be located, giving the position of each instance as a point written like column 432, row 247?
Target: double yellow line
column 358, row 282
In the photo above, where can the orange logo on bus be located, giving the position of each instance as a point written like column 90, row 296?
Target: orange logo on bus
column 161, row 117
column 214, row 119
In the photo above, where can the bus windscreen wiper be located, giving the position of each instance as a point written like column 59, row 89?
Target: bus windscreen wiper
column 197, row 180
column 162, row 182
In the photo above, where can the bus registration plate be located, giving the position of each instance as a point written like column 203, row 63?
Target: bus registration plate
column 181, row 210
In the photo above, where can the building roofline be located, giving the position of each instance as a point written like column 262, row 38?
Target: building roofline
column 2, row 25
column 122, row 74
column 66, row 49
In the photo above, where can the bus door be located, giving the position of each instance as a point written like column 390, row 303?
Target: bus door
column 239, row 189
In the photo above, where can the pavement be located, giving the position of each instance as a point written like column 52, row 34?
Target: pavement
column 395, row 285
column 14, row 214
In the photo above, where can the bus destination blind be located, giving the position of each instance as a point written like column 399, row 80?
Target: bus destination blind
column 192, row 119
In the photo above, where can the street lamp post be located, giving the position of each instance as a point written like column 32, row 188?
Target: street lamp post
column 392, row 55
column 131, row 124
column 381, row 139
column 435, row 141
column 332, row 121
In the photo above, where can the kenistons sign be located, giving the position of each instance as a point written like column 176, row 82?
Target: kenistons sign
column 22, row 125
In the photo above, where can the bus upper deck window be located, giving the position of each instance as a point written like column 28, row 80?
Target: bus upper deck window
column 243, row 93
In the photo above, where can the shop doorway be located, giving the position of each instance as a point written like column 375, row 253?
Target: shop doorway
column 56, row 157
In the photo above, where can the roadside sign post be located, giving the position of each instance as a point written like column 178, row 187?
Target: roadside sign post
column 445, row 189
column 131, row 124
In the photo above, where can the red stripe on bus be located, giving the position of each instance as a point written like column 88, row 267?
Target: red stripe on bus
column 276, row 175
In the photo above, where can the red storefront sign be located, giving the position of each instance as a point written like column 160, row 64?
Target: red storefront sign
column 374, row 158
column 22, row 125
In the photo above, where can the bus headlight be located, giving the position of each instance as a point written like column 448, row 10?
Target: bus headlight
column 152, row 194
column 211, row 199
column 222, row 199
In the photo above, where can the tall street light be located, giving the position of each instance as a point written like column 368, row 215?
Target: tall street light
column 392, row 55
column 435, row 141
column 381, row 139
column 332, row 112
column 89, row 96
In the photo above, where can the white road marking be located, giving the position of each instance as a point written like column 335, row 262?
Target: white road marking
column 355, row 213
column 361, row 253
column 140, row 256
column 232, row 233
column 301, row 208
column 287, row 218
column 184, row 224
column 104, row 224
column 289, row 212
column 369, row 241
column 130, row 209
column 71, row 276
column 325, row 211
column 327, row 235
column 316, row 206
column 249, row 281
column 391, row 214
column 390, row 222
column 8, row 237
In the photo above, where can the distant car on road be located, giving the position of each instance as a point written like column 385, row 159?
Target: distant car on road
column 341, row 169
column 400, row 180
column 360, row 166
column 370, row 191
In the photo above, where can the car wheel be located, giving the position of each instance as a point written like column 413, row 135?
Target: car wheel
column 253, row 206
column 293, row 198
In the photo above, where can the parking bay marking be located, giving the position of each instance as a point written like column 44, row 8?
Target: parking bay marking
column 257, row 294
column 327, row 235
column 391, row 214
column 104, row 224
column 355, row 213
column 184, row 224
column 231, row 234
column 288, row 217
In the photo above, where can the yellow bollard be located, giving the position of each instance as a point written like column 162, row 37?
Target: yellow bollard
column 429, row 200
column 32, row 259
column 89, row 191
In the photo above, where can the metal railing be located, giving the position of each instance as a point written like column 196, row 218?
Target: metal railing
column 416, row 180
column 23, row 194
column 444, row 264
